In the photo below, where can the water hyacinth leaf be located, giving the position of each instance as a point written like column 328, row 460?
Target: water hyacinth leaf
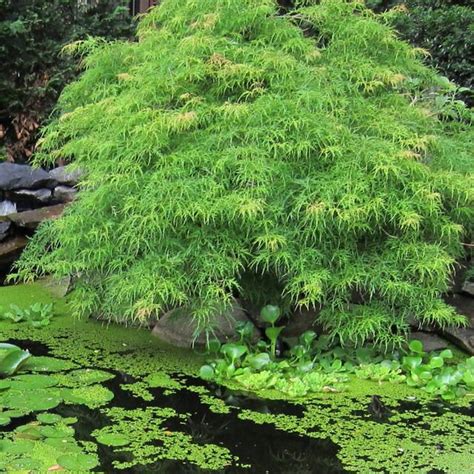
column 416, row 346
column 78, row 462
column 206, row 372
column 111, row 439
column 213, row 346
column 273, row 332
column 270, row 313
column 307, row 338
column 468, row 379
column 446, row 354
column 233, row 351
column 412, row 362
column 436, row 362
column 13, row 361
column 258, row 361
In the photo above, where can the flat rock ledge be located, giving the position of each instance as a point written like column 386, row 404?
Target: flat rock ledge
column 177, row 327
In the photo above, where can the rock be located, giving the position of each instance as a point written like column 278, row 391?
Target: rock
column 57, row 287
column 468, row 287
column 4, row 228
column 301, row 321
column 461, row 337
column 64, row 193
column 13, row 176
column 431, row 342
column 10, row 249
column 177, row 327
column 65, row 175
column 42, row 195
column 31, row 219
column 7, row 207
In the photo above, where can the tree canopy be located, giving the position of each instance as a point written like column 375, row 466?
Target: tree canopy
column 292, row 154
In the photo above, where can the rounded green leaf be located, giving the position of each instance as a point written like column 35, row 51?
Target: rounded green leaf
column 206, row 372
column 416, row 346
column 270, row 313
column 258, row 361
column 78, row 462
column 436, row 362
column 112, row 439
column 4, row 420
column 49, row 418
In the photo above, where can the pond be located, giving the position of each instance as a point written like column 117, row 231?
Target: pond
column 114, row 399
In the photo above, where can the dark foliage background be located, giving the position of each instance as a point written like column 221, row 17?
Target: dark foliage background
column 33, row 71
column 444, row 27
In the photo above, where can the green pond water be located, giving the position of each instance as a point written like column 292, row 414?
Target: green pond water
column 98, row 398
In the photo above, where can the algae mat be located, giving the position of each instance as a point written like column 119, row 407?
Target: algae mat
column 113, row 399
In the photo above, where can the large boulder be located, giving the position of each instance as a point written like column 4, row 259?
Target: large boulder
column 178, row 328
column 64, row 193
column 13, row 176
column 36, row 196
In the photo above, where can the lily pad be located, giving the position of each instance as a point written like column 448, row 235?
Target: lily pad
column 78, row 461
column 47, row 364
column 32, row 381
column 92, row 396
column 32, row 400
column 82, row 377
column 4, row 420
column 57, row 431
column 49, row 418
column 112, row 439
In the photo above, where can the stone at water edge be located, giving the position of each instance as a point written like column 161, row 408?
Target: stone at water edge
column 14, row 176
column 7, row 207
column 462, row 337
column 64, row 193
column 64, row 175
column 431, row 342
column 177, row 327
column 468, row 287
column 4, row 228
column 10, row 249
column 42, row 195
column 31, row 219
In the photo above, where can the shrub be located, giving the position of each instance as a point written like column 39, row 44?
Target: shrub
column 33, row 72
column 238, row 149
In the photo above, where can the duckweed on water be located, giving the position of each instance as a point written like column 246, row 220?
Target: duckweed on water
column 85, row 361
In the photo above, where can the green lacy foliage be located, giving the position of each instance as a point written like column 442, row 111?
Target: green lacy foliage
column 238, row 149
column 32, row 34
column 444, row 27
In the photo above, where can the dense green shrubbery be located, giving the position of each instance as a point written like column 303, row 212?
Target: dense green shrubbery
column 33, row 72
column 443, row 27
column 236, row 149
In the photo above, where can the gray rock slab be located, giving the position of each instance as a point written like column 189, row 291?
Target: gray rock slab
column 468, row 287
column 66, row 175
column 431, row 342
column 64, row 193
column 178, row 328
column 14, row 176
column 42, row 195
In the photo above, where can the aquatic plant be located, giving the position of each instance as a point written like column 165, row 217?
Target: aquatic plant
column 38, row 314
column 295, row 152
column 314, row 365
column 11, row 359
